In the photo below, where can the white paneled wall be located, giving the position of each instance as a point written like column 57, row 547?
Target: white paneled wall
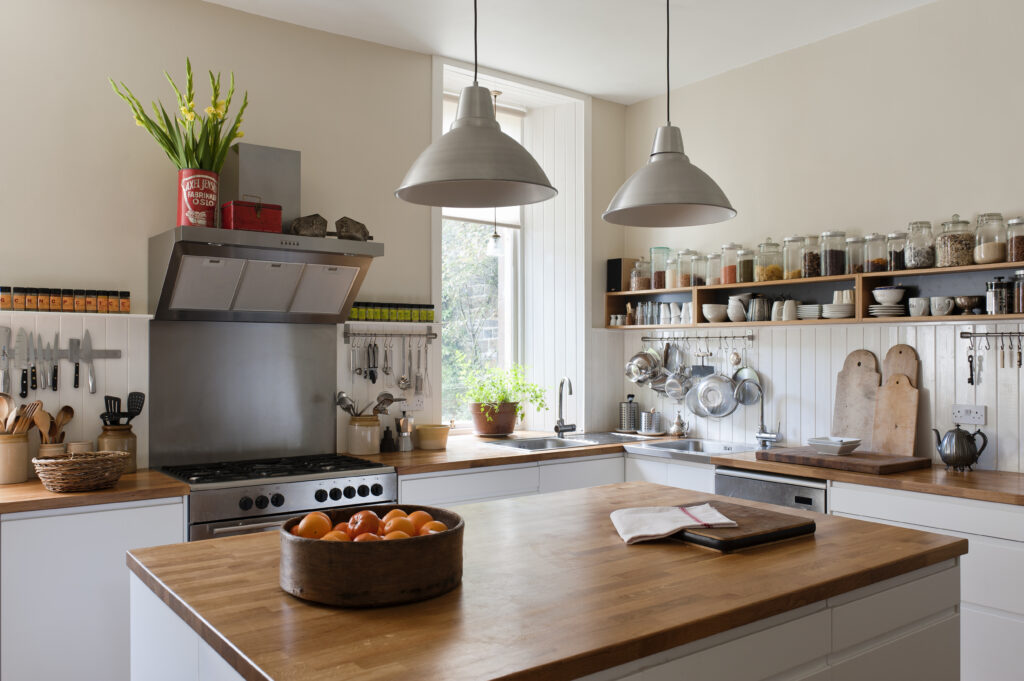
column 798, row 367
column 127, row 333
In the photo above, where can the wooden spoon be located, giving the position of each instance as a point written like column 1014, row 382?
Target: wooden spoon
column 6, row 407
column 62, row 419
column 43, row 422
column 12, row 419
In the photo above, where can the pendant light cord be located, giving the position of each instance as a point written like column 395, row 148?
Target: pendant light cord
column 668, row 88
column 474, row 44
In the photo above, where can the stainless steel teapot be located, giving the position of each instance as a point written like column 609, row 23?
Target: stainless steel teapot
column 958, row 448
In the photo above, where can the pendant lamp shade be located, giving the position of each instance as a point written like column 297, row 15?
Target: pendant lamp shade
column 669, row 191
column 475, row 164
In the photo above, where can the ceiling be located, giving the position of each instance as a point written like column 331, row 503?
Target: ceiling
column 613, row 49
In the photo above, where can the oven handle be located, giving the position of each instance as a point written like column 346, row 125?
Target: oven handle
column 246, row 528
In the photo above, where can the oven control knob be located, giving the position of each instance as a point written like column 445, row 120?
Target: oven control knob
column 363, row 490
column 376, row 489
column 350, row 492
column 335, row 493
column 277, row 499
column 320, row 495
column 245, row 503
column 262, row 501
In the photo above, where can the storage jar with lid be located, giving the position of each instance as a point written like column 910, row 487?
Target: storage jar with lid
column 990, row 239
column 998, row 295
column 729, row 260
column 1015, row 240
column 119, row 439
column 895, row 246
column 920, row 250
column 854, row 254
column 954, row 246
column 671, row 272
column 14, row 459
column 713, row 270
column 833, row 253
column 659, row 260
column 875, row 257
column 698, row 269
column 768, row 261
column 812, row 257
column 683, row 265
column 745, row 266
column 363, row 435
column 792, row 257
column 1018, row 292
column 640, row 277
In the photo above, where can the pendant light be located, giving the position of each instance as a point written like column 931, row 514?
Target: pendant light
column 475, row 164
column 494, row 242
column 669, row 191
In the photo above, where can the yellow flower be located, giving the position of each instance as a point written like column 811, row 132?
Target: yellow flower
column 138, row 122
column 187, row 115
column 210, row 111
column 222, row 107
column 239, row 134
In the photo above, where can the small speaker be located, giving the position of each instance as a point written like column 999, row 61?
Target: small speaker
column 618, row 274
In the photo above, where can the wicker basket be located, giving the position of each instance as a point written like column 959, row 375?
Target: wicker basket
column 82, row 471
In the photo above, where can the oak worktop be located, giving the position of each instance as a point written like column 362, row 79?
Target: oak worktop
column 144, row 484
column 549, row 591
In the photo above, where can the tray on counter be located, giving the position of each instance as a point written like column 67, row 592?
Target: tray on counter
column 754, row 526
column 857, row 462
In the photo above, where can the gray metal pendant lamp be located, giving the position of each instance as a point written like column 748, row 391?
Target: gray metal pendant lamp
column 669, row 191
column 475, row 164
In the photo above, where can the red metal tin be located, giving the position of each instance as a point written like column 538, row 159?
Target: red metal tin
column 197, row 198
column 254, row 217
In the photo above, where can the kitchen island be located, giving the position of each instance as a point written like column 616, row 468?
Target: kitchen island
column 551, row 592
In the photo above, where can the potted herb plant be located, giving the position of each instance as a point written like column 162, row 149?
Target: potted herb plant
column 197, row 142
column 498, row 399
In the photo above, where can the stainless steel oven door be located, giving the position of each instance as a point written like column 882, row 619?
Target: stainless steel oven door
column 231, row 528
column 810, row 495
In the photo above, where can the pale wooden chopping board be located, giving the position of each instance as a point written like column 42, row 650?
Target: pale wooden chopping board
column 901, row 359
column 895, row 425
column 856, row 389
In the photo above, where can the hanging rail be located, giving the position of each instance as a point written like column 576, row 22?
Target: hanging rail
column 991, row 334
column 748, row 336
column 429, row 334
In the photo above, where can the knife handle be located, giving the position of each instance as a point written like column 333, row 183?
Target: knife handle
column 53, row 379
column 76, row 374
column 24, row 384
column 35, row 382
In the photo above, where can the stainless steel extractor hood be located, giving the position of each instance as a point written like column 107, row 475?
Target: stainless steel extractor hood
column 206, row 274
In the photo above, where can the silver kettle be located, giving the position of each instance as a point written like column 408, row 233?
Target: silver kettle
column 958, row 448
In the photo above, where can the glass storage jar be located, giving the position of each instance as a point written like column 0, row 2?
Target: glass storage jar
column 640, row 277
column 954, row 246
column 1015, row 240
column 854, row 254
column 896, row 251
column 671, row 272
column 1018, row 292
column 659, row 259
column 698, row 269
column 812, row 257
column 729, row 262
column 745, row 266
column 768, row 261
column 792, row 257
column 713, row 270
column 990, row 239
column 833, row 253
column 920, row 250
column 875, row 257
column 683, row 265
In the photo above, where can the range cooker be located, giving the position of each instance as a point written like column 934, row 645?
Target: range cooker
column 259, row 495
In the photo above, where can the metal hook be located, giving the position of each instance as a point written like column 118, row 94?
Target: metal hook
column 988, row 344
column 970, row 344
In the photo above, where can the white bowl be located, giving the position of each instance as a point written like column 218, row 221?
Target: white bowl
column 836, row 446
column 888, row 295
column 742, row 297
column 714, row 312
column 737, row 315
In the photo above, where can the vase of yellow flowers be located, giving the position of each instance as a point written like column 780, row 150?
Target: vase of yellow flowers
column 197, row 142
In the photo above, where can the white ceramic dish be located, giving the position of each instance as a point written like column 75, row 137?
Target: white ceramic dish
column 714, row 312
column 888, row 295
column 833, row 446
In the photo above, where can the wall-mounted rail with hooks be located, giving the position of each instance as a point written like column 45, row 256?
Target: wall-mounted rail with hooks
column 428, row 334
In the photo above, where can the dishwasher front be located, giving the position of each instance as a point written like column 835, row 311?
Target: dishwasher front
column 810, row 495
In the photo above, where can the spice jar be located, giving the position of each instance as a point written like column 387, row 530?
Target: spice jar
column 79, row 300
column 18, row 299
column 833, row 253
column 768, row 262
column 792, row 257
column 990, row 239
column 875, row 257
column 729, row 261
column 6, row 298
column 997, row 296
column 659, row 259
column 854, row 254
column 895, row 246
column 119, row 438
column 920, row 249
column 101, row 303
column 639, row 280
column 713, row 269
column 55, row 300
column 698, row 269
column 812, row 257
column 90, row 301
column 954, row 246
column 67, row 300
column 683, row 266
column 43, row 299
column 31, row 296
column 744, row 266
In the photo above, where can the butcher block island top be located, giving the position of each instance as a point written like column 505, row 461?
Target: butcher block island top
column 549, row 591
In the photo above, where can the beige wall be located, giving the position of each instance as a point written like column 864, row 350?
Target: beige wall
column 83, row 187
column 914, row 117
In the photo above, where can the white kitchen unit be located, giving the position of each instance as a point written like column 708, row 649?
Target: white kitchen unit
column 699, row 477
column 64, row 594
column 992, row 607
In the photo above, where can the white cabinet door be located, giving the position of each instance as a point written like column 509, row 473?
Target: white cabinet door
column 646, row 470
column 452, row 487
column 64, row 586
column 563, row 474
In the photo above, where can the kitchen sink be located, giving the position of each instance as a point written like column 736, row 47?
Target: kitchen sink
column 608, row 438
column 533, row 444
column 687, row 449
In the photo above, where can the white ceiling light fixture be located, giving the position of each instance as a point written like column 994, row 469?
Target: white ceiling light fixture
column 475, row 164
column 669, row 191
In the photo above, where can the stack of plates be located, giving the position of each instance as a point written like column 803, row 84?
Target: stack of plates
column 887, row 310
column 808, row 311
column 837, row 310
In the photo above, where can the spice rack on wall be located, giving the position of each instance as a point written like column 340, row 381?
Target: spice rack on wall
column 966, row 280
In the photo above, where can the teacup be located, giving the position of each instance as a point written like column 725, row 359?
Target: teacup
column 941, row 305
column 918, row 307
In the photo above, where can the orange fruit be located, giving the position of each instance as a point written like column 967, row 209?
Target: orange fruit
column 314, row 525
column 394, row 513
column 432, row 527
column 397, row 534
column 363, row 522
column 401, row 524
column 418, row 518
column 321, row 513
column 335, row 535
column 343, row 527
column 295, row 530
column 367, row 536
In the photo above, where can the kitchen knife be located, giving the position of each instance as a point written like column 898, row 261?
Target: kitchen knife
column 21, row 359
column 41, row 359
column 32, row 362
column 5, row 359
column 74, row 350
column 87, row 358
column 47, row 365
column 56, row 360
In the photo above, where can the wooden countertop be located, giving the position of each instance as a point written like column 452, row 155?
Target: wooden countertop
column 549, row 591
column 144, row 484
column 981, row 485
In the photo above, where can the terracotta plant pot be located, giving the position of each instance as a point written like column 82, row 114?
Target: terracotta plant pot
column 501, row 422
column 197, row 198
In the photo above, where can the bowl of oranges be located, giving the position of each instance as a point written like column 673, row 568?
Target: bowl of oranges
column 372, row 556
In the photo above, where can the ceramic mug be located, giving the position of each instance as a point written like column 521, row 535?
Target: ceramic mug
column 848, row 296
column 941, row 305
column 789, row 311
column 777, row 311
column 918, row 307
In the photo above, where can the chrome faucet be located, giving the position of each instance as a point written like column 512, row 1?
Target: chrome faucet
column 763, row 437
column 560, row 425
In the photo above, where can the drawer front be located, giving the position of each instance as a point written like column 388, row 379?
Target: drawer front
column 645, row 470
column 449, row 489
column 556, row 477
column 699, row 477
column 991, row 645
column 930, row 654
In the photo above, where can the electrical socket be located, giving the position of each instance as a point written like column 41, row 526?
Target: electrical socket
column 412, row 403
column 973, row 414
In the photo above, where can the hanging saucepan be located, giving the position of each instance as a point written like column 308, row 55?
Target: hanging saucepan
column 659, row 378
column 747, row 394
column 642, row 366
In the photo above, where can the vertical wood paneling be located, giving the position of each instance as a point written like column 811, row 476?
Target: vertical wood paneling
column 1008, row 410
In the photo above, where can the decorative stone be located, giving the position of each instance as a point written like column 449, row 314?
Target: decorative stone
column 308, row 225
column 352, row 230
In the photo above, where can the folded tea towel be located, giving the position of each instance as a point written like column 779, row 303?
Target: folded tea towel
column 655, row 522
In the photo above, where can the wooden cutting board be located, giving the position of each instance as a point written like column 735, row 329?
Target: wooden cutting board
column 901, row 359
column 856, row 389
column 858, row 462
column 753, row 526
column 895, row 424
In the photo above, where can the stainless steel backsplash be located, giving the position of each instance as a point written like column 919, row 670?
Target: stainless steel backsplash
column 226, row 391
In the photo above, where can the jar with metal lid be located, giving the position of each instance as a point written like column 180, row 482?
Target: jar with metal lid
column 895, row 247
column 659, row 259
column 768, row 261
column 875, row 257
column 683, row 265
column 640, row 277
column 854, row 254
column 812, row 257
column 833, row 253
column 671, row 272
column 713, row 270
column 792, row 257
column 1015, row 239
column 729, row 260
column 954, row 246
column 920, row 251
column 990, row 239
column 997, row 296
column 698, row 269
column 744, row 266
column 1018, row 292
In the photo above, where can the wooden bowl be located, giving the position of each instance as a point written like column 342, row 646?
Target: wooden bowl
column 373, row 574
